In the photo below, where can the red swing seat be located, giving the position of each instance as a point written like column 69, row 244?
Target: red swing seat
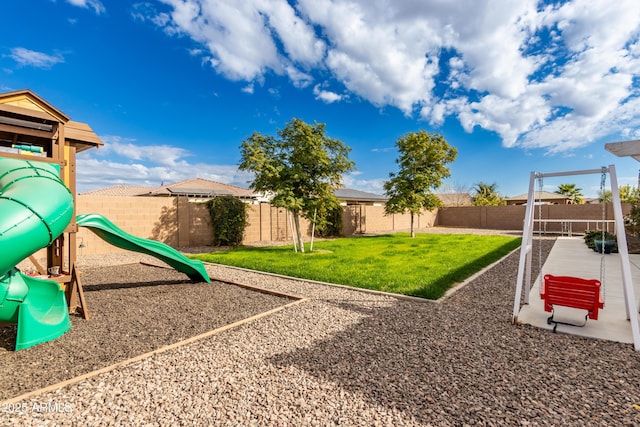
column 572, row 292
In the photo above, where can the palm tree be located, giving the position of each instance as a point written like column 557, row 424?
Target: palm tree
column 487, row 195
column 572, row 192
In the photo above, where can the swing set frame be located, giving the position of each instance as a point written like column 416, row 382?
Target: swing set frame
column 526, row 249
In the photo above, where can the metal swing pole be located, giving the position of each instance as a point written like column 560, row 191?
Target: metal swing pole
column 625, row 264
column 525, row 251
column 603, row 181
column 570, row 173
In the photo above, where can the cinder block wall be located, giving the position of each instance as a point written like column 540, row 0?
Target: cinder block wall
column 492, row 217
column 373, row 219
column 200, row 232
column 352, row 220
column 180, row 223
column 360, row 219
column 148, row 217
column 267, row 223
column 175, row 221
column 512, row 217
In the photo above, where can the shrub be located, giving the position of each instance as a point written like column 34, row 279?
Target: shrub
column 228, row 219
column 632, row 221
column 591, row 236
column 332, row 226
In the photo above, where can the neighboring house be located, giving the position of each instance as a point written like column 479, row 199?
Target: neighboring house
column 544, row 197
column 204, row 188
column 349, row 196
column 196, row 189
column 200, row 190
column 591, row 200
column 120, row 190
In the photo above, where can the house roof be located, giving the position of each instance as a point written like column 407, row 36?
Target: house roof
column 352, row 194
column 203, row 188
column 539, row 195
column 195, row 187
column 200, row 187
column 121, row 190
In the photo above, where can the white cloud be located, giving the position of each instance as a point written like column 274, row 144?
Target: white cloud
column 583, row 82
column 27, row 57
column 164, row 155
column 96, row 5
column 93, row 173
column 553, row 76
column 496, row 113
column 248, row 88
column 298, row 78
column 628, row 133
column 325, row 95
column 376, row 53
column 147, row 12
column 241, row 37
column 375, row 186
column 298, row 38
column 121, row 161
column 384, row 149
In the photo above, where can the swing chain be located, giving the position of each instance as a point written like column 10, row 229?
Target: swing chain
column 603, row 181
column 540, row 187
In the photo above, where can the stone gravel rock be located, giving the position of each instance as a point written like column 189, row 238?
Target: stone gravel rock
column 350, row 358
column 133, row 309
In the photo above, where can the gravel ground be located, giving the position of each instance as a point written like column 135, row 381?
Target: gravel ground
column 134, row 309
column 346, row 357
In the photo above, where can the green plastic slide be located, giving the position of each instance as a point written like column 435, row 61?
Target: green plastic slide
column 115, row 236
column 35, row 208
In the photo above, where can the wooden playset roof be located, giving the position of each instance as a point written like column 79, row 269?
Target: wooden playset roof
column 27, row 118
column 625, row 148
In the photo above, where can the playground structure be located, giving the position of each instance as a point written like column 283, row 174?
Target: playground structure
column 38, row 146
column 29, row 222
column 569, row 290
column 115, row 236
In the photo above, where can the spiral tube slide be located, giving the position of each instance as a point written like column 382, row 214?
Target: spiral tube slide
column 35, row 208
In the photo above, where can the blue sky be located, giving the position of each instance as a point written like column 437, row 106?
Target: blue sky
column 174, row 86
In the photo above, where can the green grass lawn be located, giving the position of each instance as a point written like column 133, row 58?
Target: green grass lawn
column 425, row 266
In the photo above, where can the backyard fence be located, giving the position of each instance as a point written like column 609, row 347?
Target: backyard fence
column 181, row 223
column 562, row 219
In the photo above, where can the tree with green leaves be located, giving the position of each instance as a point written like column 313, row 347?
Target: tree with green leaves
column 629, row 194
column 300, row 168
column 487, row 195
column 572, row 192
column 605, row 196
column 422, row 167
